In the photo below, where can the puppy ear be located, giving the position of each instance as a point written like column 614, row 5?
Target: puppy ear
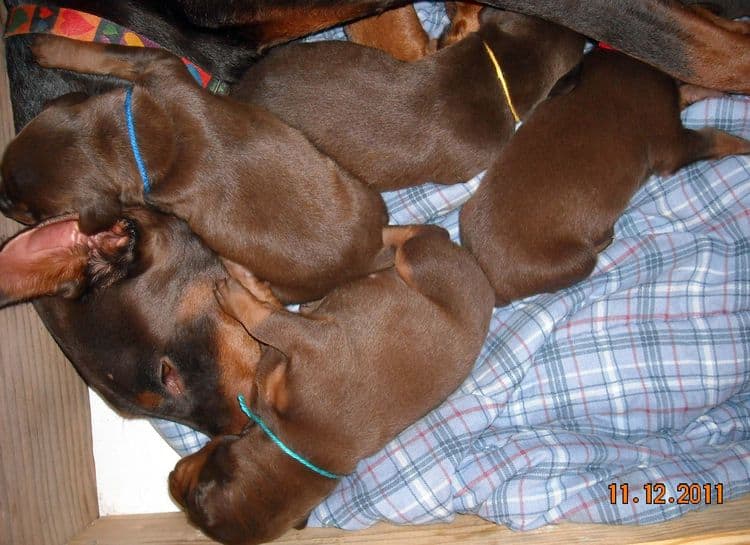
column 567, row 83
column 94, row 217
column 275, row 390
column 70, row 99
column 40, row 261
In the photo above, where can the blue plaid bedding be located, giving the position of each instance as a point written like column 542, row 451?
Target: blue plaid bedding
column 637, row 377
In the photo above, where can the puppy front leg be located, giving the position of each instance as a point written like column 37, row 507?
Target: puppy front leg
column 265, row 320
column 260, row 290
column 128, row 63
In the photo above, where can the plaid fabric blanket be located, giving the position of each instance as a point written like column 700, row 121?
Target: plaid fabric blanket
column 636, row 380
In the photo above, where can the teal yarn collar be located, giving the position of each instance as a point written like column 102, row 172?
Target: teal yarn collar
column 279, row 443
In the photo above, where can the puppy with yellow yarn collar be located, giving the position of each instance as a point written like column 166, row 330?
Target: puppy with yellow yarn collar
column 441, row 119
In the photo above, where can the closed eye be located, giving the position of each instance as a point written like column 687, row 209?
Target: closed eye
column 170, row 377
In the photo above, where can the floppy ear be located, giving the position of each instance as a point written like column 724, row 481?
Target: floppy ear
column 99, row 215
column 568, row 82
column 41, row 261
column 275, row 389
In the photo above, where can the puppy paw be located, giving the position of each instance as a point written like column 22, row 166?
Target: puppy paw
column 240, row 303
column 259, row 288
column 184, row 478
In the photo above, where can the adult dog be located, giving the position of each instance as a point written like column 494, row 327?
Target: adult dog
column 659, row 32
column 146, row 332
column 224, row 37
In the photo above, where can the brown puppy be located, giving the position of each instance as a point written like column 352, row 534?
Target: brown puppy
column 385, row 350
column 394, row 124
column 398, row 32
column 548, row 205
column 255, row 190
column 144, row 328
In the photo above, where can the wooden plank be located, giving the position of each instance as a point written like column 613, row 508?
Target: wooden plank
column 727, row 524
column 47, row 482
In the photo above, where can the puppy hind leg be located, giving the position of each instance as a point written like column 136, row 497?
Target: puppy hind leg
column 705, row 143
column 128, row 63
column 562, row 265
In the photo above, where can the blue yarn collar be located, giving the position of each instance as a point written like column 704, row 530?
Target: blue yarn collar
column 134, row 140
column 285, row 449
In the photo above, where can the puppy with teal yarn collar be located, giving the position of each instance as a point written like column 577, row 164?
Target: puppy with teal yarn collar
column 335, row 383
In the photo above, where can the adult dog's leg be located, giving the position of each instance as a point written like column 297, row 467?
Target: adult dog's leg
column 270, row 22
column 663, row 33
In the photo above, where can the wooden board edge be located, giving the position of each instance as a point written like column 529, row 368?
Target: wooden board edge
column 727, row 524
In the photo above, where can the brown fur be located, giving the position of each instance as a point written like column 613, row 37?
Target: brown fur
column 662, row 33
column 548, row 205
column 52, row 277
column 394, row 124
column 219, row 164
column 376, row 383
column 464, row 19
column 398, row 32
column 65, row 265
column 145, row 329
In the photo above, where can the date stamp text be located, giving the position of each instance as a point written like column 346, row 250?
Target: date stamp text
column 657, row 494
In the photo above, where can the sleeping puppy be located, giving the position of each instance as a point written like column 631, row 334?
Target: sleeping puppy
column 136, row 315
column 395, row 124
column 252, row 188
column 548, row 205
column 336, row 383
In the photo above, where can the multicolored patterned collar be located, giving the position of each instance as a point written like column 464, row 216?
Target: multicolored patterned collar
column 78, row 25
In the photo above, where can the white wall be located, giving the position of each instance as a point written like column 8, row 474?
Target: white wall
column 132, row 463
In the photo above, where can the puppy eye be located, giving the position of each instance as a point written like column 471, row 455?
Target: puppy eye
column 169, row 376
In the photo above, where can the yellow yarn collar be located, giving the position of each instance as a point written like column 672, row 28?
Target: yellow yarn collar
column 503, row 83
